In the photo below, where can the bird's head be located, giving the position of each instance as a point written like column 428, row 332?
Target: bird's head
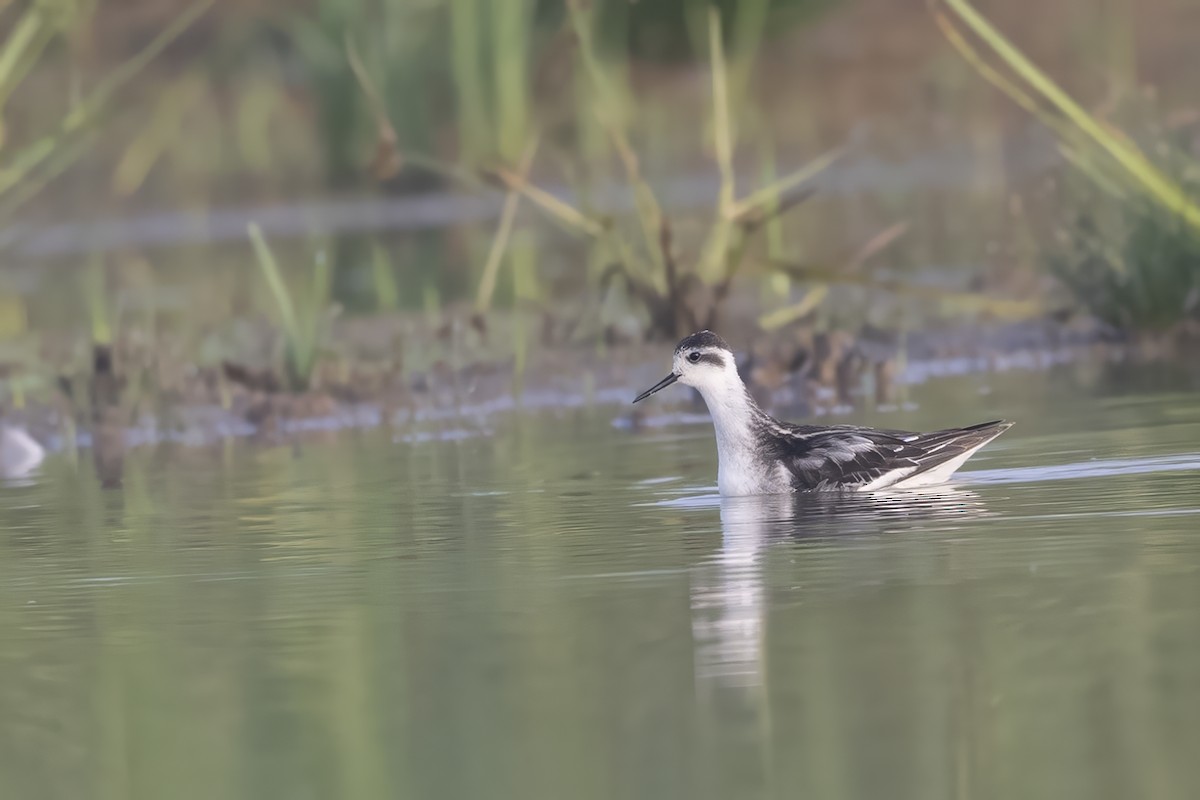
column 702, row 361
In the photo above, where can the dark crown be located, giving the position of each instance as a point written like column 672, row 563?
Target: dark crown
column 701, row 339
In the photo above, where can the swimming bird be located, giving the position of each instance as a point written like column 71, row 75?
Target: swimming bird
column 758, row 454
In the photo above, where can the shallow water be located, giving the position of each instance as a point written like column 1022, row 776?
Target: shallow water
column 563, row 608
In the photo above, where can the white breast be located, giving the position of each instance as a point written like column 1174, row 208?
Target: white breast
column 741, row 470
column 738, row 476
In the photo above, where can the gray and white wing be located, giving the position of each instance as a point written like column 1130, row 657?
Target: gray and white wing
column 867, row 458
column 848, row 458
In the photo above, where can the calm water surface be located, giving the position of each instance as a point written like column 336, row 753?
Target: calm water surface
column 563, row 609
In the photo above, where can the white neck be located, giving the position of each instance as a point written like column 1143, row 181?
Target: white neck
column 733, row 414
column 732, row 411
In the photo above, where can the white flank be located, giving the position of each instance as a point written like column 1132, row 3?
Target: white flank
column 942, row 472
column 887, row 479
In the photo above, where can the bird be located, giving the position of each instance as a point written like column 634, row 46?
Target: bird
column 760, row 455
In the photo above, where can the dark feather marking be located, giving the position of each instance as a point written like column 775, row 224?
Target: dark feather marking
column 712, row 358
column 847, row 456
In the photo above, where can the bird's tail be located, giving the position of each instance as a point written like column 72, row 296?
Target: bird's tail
column 943, row 452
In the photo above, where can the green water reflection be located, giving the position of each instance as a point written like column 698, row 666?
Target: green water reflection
column 561, row 610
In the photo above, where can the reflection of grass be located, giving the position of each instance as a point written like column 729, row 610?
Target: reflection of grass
column 1144, row 276
column 304, row 326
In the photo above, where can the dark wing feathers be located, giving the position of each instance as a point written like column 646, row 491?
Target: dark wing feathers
column 850, row 456
column 844, row 456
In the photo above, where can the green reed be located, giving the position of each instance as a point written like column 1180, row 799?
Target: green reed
column 304, row 325
column 1137, row 272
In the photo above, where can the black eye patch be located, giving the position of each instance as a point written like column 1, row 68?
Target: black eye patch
column 708, row 358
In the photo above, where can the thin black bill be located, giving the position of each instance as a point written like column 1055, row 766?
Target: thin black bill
column 664, row 383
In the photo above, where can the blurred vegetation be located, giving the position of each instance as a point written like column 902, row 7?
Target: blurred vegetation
column 669, row 139
column 31, row 158
column 30, row 164
column 1139, row 269
column 1132, row 264
column 504, row 65
column 676, row 298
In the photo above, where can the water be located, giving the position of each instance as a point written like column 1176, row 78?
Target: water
column 564, row 609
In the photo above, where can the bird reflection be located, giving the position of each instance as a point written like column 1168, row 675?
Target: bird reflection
column 727, row 595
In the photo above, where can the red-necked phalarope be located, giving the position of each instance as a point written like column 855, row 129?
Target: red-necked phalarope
column 758, row 454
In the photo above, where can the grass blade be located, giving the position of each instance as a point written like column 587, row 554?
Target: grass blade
column 723, row 133
column 789, row 314
column 757, row 202
column 85, row 113
column 1153, row 181
column 608, row 112
column 560, row 210
column 279, row 291
column 499, row 245
column 387, row 292
column 121, row 75
column 22, row 46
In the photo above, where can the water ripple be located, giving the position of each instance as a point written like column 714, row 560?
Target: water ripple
column 1094, row 468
